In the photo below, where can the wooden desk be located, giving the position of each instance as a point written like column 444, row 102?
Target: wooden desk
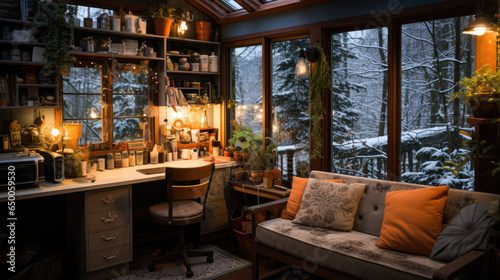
column 258, row 190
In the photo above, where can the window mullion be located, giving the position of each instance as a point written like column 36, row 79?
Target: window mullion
column 394, row 102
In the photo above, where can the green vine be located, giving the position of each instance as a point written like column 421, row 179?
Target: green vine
column 52, row 26
column 321, row 82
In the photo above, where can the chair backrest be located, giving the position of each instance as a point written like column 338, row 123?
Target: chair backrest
column 181, row 191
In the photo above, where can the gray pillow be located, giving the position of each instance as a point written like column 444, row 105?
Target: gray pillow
column 329, row 205
column 466, row 232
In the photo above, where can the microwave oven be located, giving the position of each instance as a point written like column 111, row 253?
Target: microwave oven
column 28, row 169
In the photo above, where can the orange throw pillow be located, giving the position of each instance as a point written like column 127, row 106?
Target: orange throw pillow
column 298, row 186
column 413, row 219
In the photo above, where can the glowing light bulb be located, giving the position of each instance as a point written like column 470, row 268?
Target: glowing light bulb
column 54, row 132
column 182, row 28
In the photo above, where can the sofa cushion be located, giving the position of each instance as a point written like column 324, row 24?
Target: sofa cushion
column 329, row 205
column 413, row 219
column 294, row 200
column 353, row 252
column 466, row 232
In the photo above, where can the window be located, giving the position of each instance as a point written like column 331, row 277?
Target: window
column 130, row 97
column 85, row 103
column 359, row 102
column 232, row 5
column 81, row 102
column 290, row 101
column 435, row 57
column 91, row 12
column 245, row 79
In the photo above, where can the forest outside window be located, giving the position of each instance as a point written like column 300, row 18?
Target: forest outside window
column 245, row 79
column 82, row 102
column 359, row 103
column 290, row 101
column 436, row 55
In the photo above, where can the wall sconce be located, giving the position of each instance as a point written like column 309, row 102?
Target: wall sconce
column 482, row 24
column 302, row 68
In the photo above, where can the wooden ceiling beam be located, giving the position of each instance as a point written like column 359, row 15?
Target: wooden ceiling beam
column 249, row 5
column 224, row 6
column 209, row 7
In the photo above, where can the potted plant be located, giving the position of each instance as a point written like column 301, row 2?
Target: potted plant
column 162, row 19
column 481, row 92
column 239, row 174
column 256, row 165
column 244, row 140
column 228, row 151
column 271, row 159
column 52, row 25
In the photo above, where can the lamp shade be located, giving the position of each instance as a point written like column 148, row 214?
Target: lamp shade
column 74, row 134
column 302, row 67
column 480, row 26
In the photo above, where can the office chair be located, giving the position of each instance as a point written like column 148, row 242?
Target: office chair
column 183, row 202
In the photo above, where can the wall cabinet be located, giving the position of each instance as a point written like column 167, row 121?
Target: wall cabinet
column 100, row 231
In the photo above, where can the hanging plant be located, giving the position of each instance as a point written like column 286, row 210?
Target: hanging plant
column 321, row 82
column 53, row 28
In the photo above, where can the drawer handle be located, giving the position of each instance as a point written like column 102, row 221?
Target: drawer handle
column 109, row 219
column 211, row 193
column 110, row 238
column 110, row 257
column 108, row 200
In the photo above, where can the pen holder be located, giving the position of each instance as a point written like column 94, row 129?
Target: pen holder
column 169, row 157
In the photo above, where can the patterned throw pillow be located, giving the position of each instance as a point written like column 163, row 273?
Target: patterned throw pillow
column 329, row 205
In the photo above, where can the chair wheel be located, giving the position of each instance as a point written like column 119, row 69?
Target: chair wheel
column 151, row 267
column 189, row 273
column 210, row 259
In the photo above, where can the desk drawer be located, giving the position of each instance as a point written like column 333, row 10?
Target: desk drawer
column 107, row 200
column 108, row 219
column 215, row 208
column 220, row 177
column 109, row 238
column 215, row 223
column 216, row 192
column 109, row 257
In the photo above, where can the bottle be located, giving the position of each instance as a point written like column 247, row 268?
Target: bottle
column 195, row 62
column 131, row 158
column 125, row 159
column 204, row 63
column 110, row 161
column 213, row 63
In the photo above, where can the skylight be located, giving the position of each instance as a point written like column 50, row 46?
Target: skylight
column 232, row 5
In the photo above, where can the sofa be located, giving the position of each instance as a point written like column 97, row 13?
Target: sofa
column 334, row 254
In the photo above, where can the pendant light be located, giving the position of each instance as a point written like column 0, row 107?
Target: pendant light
column 481, row 24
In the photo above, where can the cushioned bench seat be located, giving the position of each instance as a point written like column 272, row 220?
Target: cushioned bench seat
column 352, row 252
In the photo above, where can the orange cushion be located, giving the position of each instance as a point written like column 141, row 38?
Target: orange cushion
column 413, row 219
column 298, row 186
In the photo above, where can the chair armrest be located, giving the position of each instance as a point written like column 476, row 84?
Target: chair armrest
column 268, row 206
column 460, row 266
column 280, row 203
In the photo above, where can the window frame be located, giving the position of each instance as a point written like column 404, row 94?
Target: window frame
column 265, row 42
column 394, row 26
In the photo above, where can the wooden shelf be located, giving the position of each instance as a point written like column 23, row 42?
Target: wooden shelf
column 189, row 88
column 30, row 107
column 177, row 55
column 27, row 63
column 117, row 33
column 192, row 72
column 15, row 21
column 472, row 120
column 119, row 56
column 185, row 40
column 5, row 42
column 37, row 85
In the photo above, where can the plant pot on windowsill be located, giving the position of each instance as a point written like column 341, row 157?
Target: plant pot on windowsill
column 239, row 175
column 485, row 105
column 275, row 173
column 257, row 175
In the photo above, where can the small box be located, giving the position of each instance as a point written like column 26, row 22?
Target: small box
column 130, row 47
column 37, row 55
column 117, row 48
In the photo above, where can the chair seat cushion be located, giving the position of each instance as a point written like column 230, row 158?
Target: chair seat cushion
column 181, row 209
column 353, row 252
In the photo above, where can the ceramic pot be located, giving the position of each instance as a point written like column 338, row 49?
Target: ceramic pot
column 239, row 176
column 257, row 175
column 228, row 154
column 162, row 26
column 274, row 173
column 482, row 109
column 203, row 30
